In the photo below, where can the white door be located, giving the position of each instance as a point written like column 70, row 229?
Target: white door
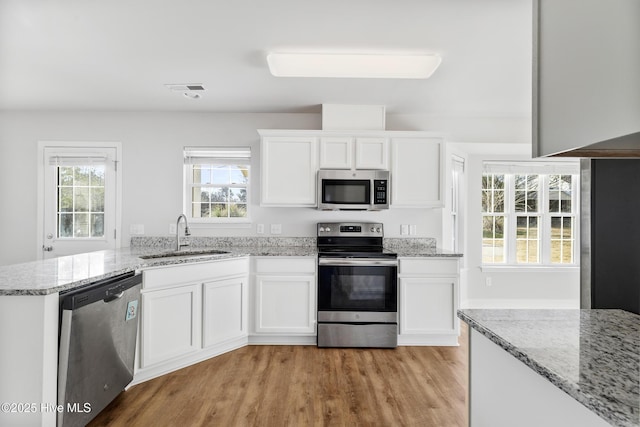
column 79, row 199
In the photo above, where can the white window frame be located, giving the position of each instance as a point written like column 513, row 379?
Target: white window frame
column 543, row 170
column 219, row 156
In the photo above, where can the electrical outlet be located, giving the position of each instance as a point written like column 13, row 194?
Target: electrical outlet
column 488, row 281
column 276, row 228
column 172, row 229
column 413, row 229
column 404, row 229
column 260, row 228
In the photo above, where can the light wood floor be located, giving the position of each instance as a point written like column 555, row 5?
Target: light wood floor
column 304, row 386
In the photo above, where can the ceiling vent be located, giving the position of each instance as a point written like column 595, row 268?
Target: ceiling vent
column 188, row 90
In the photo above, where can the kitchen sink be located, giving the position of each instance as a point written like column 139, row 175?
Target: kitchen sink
column 171, row 254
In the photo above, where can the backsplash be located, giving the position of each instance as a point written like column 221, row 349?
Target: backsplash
column 206, row 242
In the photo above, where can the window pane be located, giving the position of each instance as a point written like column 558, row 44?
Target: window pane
column 219, row 194
column 97, row 199
column 498, row 181
column 493, row 239
column 562, row 240
column 65, row 225
column 81, row 175
column 81, row 199
column 486, row 201
column 81, row 225
column 65, row 199
column 521, row 205
column 238, row 195
column 239, row 175
column 200, row 176
column 498, row 201
column 65, row 175
column 527, row 243
column 97, row 225
column 238, row 210
column 219, row 210
column 220, row 175
column 96, row 177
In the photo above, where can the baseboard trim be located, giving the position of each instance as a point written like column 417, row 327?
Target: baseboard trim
column 282, row 340
column 427, row 340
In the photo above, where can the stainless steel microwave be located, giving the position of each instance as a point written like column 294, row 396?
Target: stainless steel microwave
column 363, row 190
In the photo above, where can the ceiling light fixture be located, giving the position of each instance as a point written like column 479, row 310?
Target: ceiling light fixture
column 361, row 65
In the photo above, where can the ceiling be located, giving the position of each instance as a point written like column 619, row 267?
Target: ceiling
column 116, row 55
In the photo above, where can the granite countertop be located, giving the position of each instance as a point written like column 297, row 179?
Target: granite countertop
column 69, row 272
column 592, row 355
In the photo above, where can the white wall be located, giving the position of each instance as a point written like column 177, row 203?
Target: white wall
column 508, row 289
column 152, row 176
column 152, row 172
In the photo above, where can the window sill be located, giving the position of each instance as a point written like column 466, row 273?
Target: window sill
column 529, row 269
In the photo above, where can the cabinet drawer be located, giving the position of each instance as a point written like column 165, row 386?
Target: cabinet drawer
column 429, row 267
column 284, row 265
column 161, row 277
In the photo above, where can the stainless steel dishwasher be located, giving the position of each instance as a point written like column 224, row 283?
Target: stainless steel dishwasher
column 98, row 329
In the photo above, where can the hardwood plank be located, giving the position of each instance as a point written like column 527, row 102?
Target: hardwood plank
column 304, row 386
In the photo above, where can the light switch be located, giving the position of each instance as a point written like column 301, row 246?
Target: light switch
column 172, row 229
column 413, row 229
column 260, row 228
column 404, row 229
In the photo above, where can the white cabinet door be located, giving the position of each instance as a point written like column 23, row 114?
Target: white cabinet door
column 285, row 304
column 224, row 310
column 171, row 323
column 372, row 153
column 336, row 152
column 428, row 306
column 289, row 166
column 417, row 172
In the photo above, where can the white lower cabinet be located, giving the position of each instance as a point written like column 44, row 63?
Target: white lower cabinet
column 428, row 301
column 191, row 312
column 284, row 300
column 225, row 310
column 170, row 323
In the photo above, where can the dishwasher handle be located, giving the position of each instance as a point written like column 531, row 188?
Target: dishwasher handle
column 113, row 297
column 107, row 289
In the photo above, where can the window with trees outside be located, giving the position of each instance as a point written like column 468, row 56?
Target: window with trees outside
column 530, row 214
column 217, row 183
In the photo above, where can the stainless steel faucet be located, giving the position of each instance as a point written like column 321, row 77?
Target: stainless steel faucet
column 186, row 232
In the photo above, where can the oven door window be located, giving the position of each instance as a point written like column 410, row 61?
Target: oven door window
column 357, row 288
column 346, row 191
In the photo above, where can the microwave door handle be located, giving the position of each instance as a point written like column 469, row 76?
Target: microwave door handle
column 357, row 262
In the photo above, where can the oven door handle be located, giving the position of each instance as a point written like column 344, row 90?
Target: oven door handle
column 365, row 262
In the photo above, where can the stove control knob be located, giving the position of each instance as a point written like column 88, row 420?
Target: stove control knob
column 373, row 229
column 321, row 229
column 327, row 229
column 378, row 230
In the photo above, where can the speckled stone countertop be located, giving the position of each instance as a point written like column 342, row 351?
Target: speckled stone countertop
column 69, row 272
column 592, row 355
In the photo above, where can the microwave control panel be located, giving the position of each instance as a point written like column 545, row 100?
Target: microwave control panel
column 380, row 192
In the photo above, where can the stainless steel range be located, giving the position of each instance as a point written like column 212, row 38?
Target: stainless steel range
column 357, row 287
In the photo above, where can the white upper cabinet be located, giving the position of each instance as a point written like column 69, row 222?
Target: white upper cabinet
column 586, row 73
column 354, row 152
column 288, row 170
column 372, row 153
column 290, row 160
column 336, row 152
column 417, row 178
